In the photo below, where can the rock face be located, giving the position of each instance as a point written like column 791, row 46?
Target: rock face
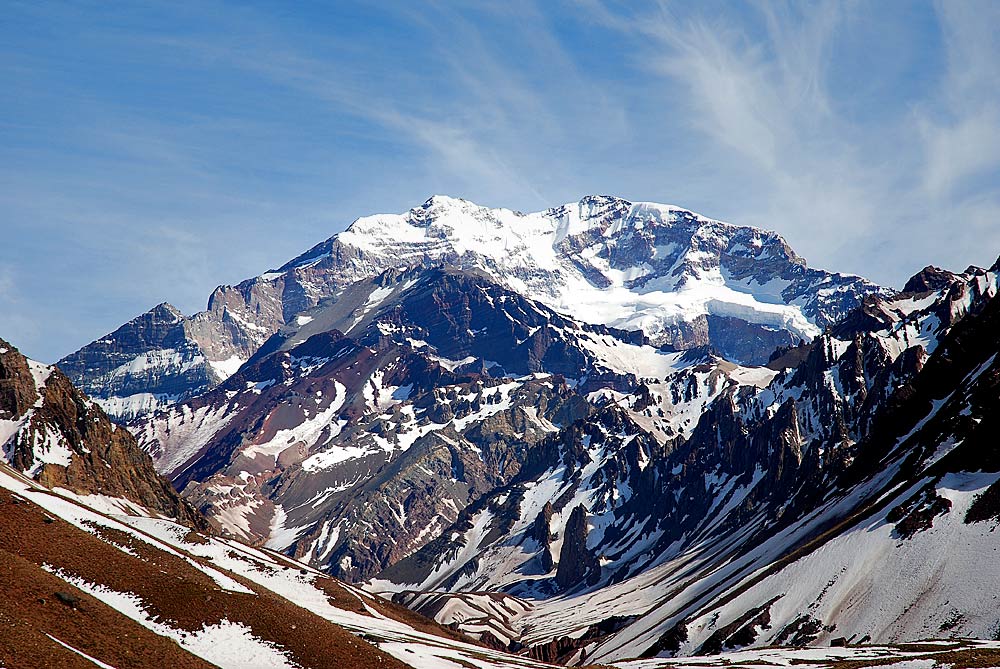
column 149, row 362
column 541, row 533
column 682, row 279
column 51, row 432
column 576, row 563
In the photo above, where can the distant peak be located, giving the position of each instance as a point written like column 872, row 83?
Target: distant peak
column 165, row 309
column 602, row 199
column 439, row 201
column 929, row 279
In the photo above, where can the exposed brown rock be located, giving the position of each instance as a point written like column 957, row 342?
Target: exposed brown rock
column 986, row 506
column 917, row 513
column 170, row 588
column 105, row 458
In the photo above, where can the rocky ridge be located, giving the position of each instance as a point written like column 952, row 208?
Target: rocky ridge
column 53, row 433
column 434, row 398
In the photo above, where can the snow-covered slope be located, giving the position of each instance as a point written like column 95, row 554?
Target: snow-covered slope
column 751, row 529
column 918, row 509
column 637, row 266
column 681, row 278
column 925, row 655
column 121, row 588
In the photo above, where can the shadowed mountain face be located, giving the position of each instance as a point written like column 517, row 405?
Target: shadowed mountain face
column 682, row 279
column 353, row 450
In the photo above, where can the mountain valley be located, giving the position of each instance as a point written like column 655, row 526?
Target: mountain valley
column 609, row 433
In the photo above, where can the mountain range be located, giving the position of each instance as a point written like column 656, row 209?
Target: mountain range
column 599, row 433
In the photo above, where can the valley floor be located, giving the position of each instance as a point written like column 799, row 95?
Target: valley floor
column 922, row 655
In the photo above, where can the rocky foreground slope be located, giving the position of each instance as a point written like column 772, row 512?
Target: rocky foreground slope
column 103, row 565
column 682, row 279
column 85, row 587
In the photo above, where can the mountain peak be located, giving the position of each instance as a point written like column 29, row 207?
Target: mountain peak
column 681, row 278
column 928, row 279
column 167, row 310
column 54, row 434
column 441, row 201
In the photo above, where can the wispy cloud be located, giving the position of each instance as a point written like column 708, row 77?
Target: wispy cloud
column 960, row 127
column 761, row 99
column 759, row 88
column 163, row 148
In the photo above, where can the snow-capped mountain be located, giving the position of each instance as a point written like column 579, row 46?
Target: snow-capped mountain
column 601, row 432
column 637, row 266
column 161, row 357
column 682, row 279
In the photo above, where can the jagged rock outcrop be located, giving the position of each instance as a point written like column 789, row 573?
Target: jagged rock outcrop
column 541, row 532
column 53, row 433
column 576, row 563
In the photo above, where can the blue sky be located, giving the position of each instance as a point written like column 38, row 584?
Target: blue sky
column 150, row 151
